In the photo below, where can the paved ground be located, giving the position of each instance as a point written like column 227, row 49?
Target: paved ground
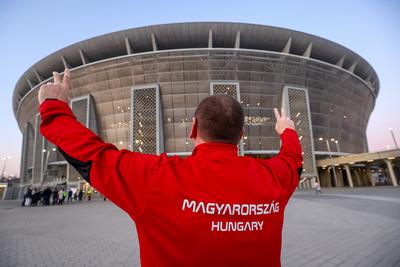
column 359, row 227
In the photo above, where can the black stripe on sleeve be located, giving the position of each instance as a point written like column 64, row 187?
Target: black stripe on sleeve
column 300, row 170
column 83, row 168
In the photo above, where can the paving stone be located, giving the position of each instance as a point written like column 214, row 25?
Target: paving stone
column 326, row 230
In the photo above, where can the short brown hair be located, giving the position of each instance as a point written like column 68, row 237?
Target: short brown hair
column 220, row 119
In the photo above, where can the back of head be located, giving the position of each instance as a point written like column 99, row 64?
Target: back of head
column 220, row 119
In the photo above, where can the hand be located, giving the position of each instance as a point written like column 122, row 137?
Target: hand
column 282, row 122
column 58, row 90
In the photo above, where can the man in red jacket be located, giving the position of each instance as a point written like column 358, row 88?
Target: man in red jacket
column 213, row 208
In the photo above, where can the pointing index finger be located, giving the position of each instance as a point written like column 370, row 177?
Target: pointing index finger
column 67, row 78
column 277, row 115
column 56, row 77
column 283, row 113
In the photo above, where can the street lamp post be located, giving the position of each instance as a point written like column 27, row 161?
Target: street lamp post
column 330, row 156
column 394, row 138
column 337, row 146
column 5, row 164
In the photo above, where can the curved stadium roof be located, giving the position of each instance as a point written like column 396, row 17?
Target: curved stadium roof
column 195, row 35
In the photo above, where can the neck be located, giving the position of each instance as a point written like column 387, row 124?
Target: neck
column 199, row 141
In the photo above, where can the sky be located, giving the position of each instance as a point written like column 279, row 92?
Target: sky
column 31, row 30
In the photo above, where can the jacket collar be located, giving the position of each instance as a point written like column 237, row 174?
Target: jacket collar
column 215, row 147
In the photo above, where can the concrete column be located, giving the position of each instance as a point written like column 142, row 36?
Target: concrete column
column 349, row 178
column 286, row 49
column 340, row 62
column 30, row 83
column 339, row 176
column 83, row 57
column 128, row 46
column 357, row 175
column 391, row 172
column 353, row 67
column 237, row 41
column 67, row 173
column 307, row 52
column 154, row 42
column 210, row 39
column 369, row 175
column 65, row 63
column 38, row 76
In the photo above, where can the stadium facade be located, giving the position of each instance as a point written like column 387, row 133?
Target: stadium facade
column 139, row 88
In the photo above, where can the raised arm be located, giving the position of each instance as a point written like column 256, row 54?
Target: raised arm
column 123, row 176
column 287, row 165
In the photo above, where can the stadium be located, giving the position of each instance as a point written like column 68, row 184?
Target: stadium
column 139, row 88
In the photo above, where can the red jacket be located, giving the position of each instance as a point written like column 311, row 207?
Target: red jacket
column 213, row 208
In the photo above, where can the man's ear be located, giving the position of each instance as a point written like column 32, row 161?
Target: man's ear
column 193, row 131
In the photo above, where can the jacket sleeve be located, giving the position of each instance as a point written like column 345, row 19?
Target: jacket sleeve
column 124, row 177
column 287, row 165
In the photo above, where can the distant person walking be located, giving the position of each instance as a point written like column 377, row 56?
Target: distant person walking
column 27, row 197
column 317, row 188
column 60, row 196
column 35, row 196
column 80, row 195
column 55, row 196
column 46, row 196
column 69, row 199
column 76, row 194
column 89, row 194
